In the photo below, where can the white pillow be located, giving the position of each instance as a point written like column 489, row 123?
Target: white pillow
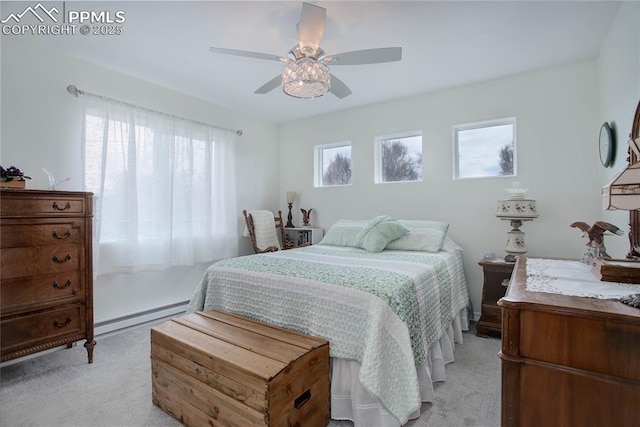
column 345, row 232
column 427, row 236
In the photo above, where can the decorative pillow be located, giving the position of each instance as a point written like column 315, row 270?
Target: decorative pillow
column 427, row 236
column 379, row 232
column 344, row 232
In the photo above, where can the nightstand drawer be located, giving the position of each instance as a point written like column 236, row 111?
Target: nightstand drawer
column 492, row 313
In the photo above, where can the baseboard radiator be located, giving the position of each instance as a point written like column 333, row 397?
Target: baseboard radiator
column 140, row 318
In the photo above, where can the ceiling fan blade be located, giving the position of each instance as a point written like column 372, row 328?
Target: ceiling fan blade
column 367, row 56
column 270, row 85
column 249, row 54
column 311, row 28
column 338, row 88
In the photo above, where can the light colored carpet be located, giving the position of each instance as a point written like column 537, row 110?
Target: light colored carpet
column 61, row 389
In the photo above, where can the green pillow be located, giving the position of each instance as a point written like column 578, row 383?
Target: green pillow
column 379, row 232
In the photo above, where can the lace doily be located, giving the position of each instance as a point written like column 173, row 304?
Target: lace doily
column 572, row 278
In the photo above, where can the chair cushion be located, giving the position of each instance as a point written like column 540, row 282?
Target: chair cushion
column 264, row 228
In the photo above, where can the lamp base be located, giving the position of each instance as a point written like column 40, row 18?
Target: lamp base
column 289, row 223
column 515, row 242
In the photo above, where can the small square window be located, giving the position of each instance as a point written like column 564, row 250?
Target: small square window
column 332, row 165
column 398, row 158
column 486, row 149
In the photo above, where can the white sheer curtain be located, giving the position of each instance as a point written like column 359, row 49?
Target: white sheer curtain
column 165, row 188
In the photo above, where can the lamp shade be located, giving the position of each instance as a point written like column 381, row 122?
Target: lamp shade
column 291, row 196
column 623, row 191
column 517, row 207
column 306, row 78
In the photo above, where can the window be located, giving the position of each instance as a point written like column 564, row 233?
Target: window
column 485, row 149
column 165, row 189
column 398, row 158
column 332, row 165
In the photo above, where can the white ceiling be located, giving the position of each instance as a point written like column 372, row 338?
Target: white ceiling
column 445, row 44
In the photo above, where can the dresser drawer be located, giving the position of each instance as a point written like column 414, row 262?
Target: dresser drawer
column 35, row 292
column 22, row 262
column 14, row 235
column 32, row 330
column 38, row 206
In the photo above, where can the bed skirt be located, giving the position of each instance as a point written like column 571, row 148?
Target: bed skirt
column 351, row 401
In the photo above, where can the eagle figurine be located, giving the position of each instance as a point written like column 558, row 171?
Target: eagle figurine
column 597, row 230
column 596, row 233
column 306, row 216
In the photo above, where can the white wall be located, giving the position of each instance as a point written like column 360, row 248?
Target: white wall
column 557, row 127
column 558, row 111
column 41, row 129
column 618, row 95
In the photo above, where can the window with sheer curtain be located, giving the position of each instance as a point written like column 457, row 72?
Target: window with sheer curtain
column 165, row 188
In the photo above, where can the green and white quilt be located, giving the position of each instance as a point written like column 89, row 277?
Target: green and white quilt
column 384, row 310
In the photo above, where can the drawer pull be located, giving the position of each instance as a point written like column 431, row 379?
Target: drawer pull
column 66, row 235
column 63, row 260
column 62, row 325
column 58, row 286
column 58, row 208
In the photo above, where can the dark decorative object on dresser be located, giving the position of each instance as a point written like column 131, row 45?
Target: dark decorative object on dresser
column 46, row 294
column 496, row 279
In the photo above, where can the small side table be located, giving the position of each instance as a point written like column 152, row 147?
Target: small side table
column 299, row 236
column 497, row 274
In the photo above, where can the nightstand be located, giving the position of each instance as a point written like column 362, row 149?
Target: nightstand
column 497, row 274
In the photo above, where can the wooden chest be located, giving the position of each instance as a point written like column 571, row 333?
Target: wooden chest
column 46, row 291
column 216, row 369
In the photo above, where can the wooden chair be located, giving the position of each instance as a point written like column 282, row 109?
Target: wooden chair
column 263, row 232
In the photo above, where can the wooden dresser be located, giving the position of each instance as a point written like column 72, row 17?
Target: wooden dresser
column 46, row 294
column 568, row 361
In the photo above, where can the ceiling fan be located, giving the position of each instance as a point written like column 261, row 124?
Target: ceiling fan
column 306, row 74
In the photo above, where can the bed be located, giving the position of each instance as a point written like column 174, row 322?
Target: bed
column 391, row 309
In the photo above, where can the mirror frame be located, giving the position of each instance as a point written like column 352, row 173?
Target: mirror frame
column 634, row 216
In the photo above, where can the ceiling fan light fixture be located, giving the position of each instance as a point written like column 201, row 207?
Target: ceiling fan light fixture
column 306, row 78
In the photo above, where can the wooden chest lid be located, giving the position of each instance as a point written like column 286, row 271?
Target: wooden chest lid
column 258, row 349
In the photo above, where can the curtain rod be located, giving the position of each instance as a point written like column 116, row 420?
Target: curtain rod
column 73, row 90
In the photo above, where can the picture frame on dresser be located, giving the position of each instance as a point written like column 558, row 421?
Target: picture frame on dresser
column 46, row 280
